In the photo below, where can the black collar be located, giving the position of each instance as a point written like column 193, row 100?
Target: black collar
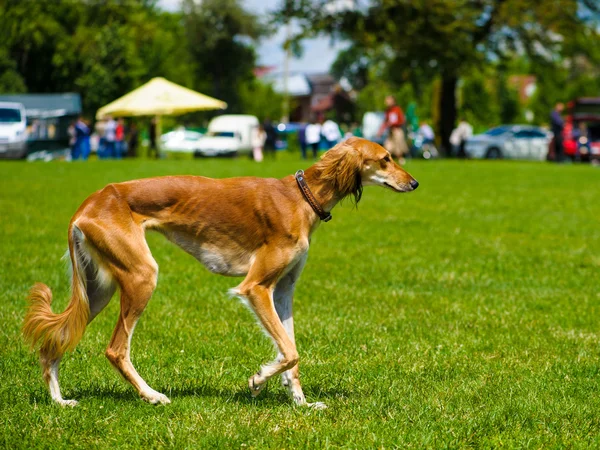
column 310, row 198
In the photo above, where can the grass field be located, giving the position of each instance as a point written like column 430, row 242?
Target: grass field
column 464, row 314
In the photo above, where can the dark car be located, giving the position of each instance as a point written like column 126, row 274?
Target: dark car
column 581, row 133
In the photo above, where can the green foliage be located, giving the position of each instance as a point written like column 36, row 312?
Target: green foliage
column 423, row 320
column 508, row 102
column 105, row 49
column 352, row 64
column 477, row 102
column 11, row 82
column 418, row 41
column 259, row 99
column 217, row 38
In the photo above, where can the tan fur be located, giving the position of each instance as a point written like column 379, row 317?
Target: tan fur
column 57, row 333
column 341, row 166
column 253, row 227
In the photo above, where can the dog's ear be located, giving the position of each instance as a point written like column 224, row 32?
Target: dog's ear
column 342, row 165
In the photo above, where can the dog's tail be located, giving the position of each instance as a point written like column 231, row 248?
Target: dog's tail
column 58, row 333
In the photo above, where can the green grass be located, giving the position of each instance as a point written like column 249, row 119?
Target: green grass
column 462, row 315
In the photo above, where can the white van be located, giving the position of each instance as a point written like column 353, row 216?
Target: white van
column 227, row 135
column 13, row 130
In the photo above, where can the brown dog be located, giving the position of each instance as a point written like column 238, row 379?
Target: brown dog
column 253, row 227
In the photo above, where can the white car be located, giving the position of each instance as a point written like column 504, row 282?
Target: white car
column 184, row 141
column 13, row 130
column 510, row 141
column 228, row 135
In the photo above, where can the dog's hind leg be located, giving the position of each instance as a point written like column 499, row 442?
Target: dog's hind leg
column 100, row 288
column 61, row 332
column 50, row 362
column 99, row 294
column 137, row 279
column 135, row 294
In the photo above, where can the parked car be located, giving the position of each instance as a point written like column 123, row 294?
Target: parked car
column 227, row 135
column 13, row 130
column 185, row 141
column 509, row 141
column 581, row 134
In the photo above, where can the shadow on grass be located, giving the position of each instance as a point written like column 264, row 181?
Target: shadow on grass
column 268, row 398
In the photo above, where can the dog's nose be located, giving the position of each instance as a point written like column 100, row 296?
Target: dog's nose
column 414, row 184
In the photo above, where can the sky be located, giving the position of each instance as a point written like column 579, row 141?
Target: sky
column 318, row 54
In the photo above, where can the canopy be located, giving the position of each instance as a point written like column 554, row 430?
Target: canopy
column 159, row 97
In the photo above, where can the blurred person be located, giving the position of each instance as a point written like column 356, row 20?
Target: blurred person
column 394, row 123
column 557, row 123
column 72, row 139
column 99, row 131
column 120, row 138
column 423, row 144
column 426, row 132
column 356, row 130
column 87, row 147
column 313, row 136
column 110, row 137
column 133, row 142
column 459, row 136
column 581, row 130
column 331, row 133
column 81, row 149
column 302, row 140
column 271, row 133
column 259, row 137
column 153, row 149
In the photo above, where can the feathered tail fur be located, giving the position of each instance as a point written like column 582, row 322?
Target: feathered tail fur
column 58, row 333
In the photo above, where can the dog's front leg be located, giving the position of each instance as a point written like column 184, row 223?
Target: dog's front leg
column 284, row 299
column 257, row 289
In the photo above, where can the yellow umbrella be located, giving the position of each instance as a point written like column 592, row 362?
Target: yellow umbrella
column 159, row 97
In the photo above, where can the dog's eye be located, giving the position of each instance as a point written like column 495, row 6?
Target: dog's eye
column 387, row 158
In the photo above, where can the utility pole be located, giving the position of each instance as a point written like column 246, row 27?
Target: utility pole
column 285, row 107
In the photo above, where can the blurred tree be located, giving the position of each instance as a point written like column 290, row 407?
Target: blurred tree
column 11, row 82
column 259, row 99
column 508, row 101
column 353, row 65
column 219, row 38
column 477, row 103
column 450, row 38
column 99, row 49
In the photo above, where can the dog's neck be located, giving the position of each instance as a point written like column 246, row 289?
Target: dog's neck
column 323, row 190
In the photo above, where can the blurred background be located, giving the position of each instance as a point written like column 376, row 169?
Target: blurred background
column 471, row 78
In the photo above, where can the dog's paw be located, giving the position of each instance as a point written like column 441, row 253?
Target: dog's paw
column 70, row 403
column 255, row 387
column 155, row 398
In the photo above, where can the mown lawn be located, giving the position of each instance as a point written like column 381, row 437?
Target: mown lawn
column 464, row 314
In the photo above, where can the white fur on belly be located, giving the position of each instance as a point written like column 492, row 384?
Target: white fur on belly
column 220, row 261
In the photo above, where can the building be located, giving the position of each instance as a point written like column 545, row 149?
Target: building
column 312, row 95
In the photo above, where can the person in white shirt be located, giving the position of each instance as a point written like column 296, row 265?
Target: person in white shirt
column 259, row 137
column 459, row 135
column 426, row 131
column 331, row 132
column 313, row 136
column 110, row 137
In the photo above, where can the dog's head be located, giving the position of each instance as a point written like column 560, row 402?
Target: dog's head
column 358, row 162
